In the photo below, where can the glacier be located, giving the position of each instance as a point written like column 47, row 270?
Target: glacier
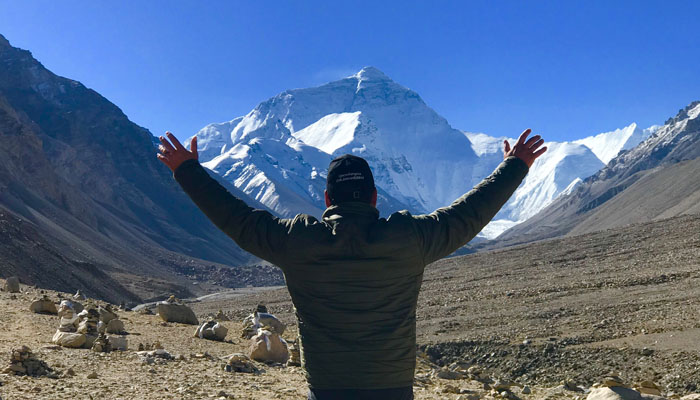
column 279, row 152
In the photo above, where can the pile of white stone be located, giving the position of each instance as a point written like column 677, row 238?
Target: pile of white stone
column 265, row 331
column 97, row 328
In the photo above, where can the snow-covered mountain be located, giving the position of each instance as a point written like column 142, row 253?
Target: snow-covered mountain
column 279, row 152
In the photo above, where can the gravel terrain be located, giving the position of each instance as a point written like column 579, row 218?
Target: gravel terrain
column 571, row 310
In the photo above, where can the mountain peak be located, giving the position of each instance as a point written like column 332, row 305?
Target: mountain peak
column 370, row 73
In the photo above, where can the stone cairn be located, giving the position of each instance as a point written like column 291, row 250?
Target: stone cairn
column 266, row 343
column 23, row 362
column 101, row 344
column 294, row 354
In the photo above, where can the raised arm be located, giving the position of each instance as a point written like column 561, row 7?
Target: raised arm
column 255, row 231
column 449, row 228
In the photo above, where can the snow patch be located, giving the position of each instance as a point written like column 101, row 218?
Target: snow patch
column 330, row 132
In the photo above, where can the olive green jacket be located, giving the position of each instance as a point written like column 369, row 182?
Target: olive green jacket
column 354, row 277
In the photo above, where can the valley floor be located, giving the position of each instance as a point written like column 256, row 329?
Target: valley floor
column 623, row 302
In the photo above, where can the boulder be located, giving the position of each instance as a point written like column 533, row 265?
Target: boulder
column 118, row 342
column 211, row 330
column 267, row 346
column 69, row 339
column 115, row 326
column 106, row 313
column 11, row 285
column 43, row 305
column 172, row 310
column 614, row 393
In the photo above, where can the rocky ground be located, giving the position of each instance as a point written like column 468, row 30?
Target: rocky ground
column 555, row 317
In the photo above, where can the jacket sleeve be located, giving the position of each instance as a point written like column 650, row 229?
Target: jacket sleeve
column 256, row 231
column 446, row 229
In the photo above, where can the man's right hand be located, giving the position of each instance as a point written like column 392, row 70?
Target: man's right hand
column 175, row 154
column 525, row 150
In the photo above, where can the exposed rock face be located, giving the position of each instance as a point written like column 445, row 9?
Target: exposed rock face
column 43, row 305
column 11, row 285
column 211, row 330
column 173, row 310
column 268, row 347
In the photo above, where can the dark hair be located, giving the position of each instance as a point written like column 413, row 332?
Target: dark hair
column 350, row 179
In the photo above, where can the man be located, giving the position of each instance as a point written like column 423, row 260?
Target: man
column 354, row 277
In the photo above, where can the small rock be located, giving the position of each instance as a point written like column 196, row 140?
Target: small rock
column 43, row 305
column 612, row 381
column 238, row 362
column 11, row 285
column 211, row 330
column 526, row 390
column 447, row 374
column 92, row 375
column 647, row 351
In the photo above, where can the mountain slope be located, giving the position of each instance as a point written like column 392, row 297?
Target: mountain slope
column 656, row 179
column 87, row 179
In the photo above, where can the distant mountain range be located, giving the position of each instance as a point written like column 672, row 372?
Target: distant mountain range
column 279, row 152
column 659, row 178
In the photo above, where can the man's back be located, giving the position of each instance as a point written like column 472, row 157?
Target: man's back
column 354, row 280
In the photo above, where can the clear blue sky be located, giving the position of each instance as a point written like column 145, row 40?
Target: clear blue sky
column 567, row 69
